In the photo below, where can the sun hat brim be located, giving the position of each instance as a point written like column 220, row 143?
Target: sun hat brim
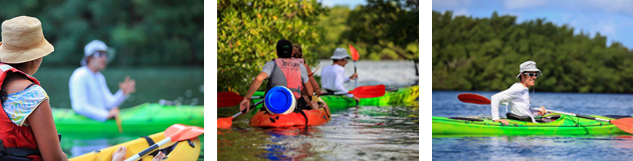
column 17, row 55
column 529, row 70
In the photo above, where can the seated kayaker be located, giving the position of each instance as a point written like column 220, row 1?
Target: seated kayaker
column 284, row 71
column 298, row 53
column 28, row 130
column 518, row 96
column 333, row 76
column 89, row 93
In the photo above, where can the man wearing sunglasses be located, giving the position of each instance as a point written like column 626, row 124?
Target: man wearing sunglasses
column 89, row 93
column 333, row 76
column 518, row 96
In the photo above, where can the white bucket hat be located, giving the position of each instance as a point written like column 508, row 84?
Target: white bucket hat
column 94, row 46
column 528, row 66
column 23, row 40
column 340, row 53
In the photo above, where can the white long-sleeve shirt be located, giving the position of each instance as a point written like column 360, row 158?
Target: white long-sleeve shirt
column 333, row 77
column 518, row 97
column 90, row 96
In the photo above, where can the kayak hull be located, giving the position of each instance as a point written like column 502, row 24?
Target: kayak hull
column 140, row 120
column 564, row 125
column 182, row 150
column 266, row 120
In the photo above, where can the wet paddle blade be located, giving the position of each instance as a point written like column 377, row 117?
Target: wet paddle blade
column 354, row 53
column 179, row 132
column 228, row 99
column 624, row 124
column 368, row 91
column 225, row 123
column 473, row 98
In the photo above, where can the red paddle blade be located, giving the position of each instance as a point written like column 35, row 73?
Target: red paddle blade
column 368, row 91
column 225, row 123
column 473, row 98
column 354, row 53
column 179, row 132
column 624, row 124
column 228, row 99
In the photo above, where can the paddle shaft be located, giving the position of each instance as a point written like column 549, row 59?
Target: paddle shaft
column 149, row 150
column 239, row 113
column 577, row 115
column 355, row 80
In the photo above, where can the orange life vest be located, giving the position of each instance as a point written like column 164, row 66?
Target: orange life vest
column 289, row 77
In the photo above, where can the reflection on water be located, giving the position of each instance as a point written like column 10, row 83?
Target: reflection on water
column 365, row 133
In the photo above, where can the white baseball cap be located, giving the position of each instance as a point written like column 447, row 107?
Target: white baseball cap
column 528, row 66
column 94, row 46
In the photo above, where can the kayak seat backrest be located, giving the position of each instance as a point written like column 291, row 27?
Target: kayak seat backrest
column 465, row 118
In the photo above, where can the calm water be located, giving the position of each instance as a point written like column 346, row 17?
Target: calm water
column 364, row 133
column 445, row 103
column 152, row 84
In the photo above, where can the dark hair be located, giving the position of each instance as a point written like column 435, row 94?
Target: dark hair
column 284, row 48
column 297, row 50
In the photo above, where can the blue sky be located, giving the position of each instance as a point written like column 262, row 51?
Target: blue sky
column 350, row 3
column 613, row 19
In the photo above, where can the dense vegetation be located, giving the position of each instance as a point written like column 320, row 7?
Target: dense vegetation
column 248, row 31
column 485, row 53
column 144, row 33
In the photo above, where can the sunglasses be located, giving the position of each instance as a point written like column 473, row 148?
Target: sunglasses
column 100, row 54
column 532, row 74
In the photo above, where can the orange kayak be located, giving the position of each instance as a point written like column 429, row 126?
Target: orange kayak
column 315, row 117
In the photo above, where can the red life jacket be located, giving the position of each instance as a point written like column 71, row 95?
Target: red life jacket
column 13, row 136
column 289, row 77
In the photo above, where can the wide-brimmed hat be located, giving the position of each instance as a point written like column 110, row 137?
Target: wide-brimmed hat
column 340, row 53
column 23, row 40
column 528, row 66
column 91, row 48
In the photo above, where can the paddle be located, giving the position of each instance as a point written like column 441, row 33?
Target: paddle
column 368, row 91
column 226, row 123
column 624, row 124
column 118, row 124
column 176, row 132
column 355, row 58
column 228, row 99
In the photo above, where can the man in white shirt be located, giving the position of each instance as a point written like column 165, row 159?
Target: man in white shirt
column 89, row 93
column 333, row 76
column 518, row 96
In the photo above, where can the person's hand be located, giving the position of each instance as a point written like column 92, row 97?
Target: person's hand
column 314, row 104
column 114, row 112
column 354, row 76
column 245, row 104
column 503, row 121
column 160, row 156
column 356, row 98
column 128, row 86
column 543, row 111
column 119, row 154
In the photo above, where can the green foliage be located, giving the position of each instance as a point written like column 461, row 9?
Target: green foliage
column 249, row 30
column 381, row 29
column 144, row 33
column 485, row 53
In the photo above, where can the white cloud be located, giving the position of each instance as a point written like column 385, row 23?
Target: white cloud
column 522, row 4
column 460, row 12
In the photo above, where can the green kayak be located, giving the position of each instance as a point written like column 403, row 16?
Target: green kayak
column 561, row 125
column 143, row 119
column 337, row 102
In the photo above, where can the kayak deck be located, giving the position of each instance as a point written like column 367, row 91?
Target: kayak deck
column 563, row 125
column 184, row 150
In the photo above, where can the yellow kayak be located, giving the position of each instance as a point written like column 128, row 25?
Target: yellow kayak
column 184, row 150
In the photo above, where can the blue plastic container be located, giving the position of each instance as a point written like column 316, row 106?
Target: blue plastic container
column 279, row 100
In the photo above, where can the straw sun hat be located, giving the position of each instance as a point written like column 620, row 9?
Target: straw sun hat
column 23, row 40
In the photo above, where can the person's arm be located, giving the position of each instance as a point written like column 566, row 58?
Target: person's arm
column 43, row 126
column 79, row 99
column 340, row 81
column 313, row 82
column 251, row 90
column 503, row 96
column 111, row 100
